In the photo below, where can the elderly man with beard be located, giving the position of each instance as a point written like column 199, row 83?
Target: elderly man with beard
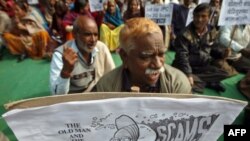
column 142, row 52
column 78, row 64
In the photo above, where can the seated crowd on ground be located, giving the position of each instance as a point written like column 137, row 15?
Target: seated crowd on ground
column 78, row 42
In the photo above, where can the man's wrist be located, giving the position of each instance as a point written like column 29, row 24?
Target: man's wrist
column 65, row 74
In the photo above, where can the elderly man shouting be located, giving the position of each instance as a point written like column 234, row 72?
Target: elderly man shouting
column 142, row 52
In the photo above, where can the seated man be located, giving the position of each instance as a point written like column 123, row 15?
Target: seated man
column 143, row 55
column 77, row 65
column 193, row 49
column 238, row 39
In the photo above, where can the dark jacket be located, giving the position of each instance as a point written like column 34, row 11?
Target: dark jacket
column 193, row 51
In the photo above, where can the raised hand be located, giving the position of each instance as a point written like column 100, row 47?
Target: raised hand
column 69, row 59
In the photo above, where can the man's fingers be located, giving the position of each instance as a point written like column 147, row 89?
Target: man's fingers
column 75, row 60
column 68, row 50
column 69, row 54
column 75, row 56
column 64, row 47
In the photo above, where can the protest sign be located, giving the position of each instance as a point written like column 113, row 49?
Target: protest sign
column 234, row 12
column 33, row 2
column 171, row 1
column 96, row 5
column 160, row 13
column 141, row 118
column 204, row 1
column 190, row 16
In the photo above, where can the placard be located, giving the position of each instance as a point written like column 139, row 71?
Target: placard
column 33, row 2
column 204, row 1
column 234, row 12
column 190, row 16
column 160, row 13
column 96, row 5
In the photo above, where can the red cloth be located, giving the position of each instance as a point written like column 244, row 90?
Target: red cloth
column 9, row 8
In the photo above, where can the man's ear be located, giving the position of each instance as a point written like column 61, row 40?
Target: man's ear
column 124, row 57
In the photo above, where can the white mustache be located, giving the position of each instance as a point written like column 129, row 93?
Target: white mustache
column 154, row 71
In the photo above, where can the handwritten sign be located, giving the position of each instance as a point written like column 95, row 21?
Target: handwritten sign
column 190, row 16
column 96, row 5
column 161, row 14
column 235, row 12
column 204, row 1
column 137, row 119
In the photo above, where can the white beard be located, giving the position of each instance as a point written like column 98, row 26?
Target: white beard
column 83, row 47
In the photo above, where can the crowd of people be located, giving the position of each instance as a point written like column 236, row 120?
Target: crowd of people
column 79, row 43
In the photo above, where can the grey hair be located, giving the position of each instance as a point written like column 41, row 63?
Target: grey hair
column 76, row 26
column 80, row 20
column 134, row 29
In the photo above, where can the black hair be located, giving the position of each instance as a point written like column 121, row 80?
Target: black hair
column 61, row 7
column 79, row 4
column 128, row 11
column 202, row 7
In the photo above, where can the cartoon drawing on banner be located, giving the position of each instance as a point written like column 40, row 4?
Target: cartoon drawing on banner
column 180, row 126
column 129, row 130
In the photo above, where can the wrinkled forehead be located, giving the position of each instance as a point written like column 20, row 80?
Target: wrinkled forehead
column 87, row 24
column 149, row 42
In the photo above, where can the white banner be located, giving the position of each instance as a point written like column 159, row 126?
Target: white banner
column 31, row 2
column 160, row 13
column 204, row 1
column 234, row 12
column 135, row 119
column 96, row 5
column 190, row 16
column 171, row 1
